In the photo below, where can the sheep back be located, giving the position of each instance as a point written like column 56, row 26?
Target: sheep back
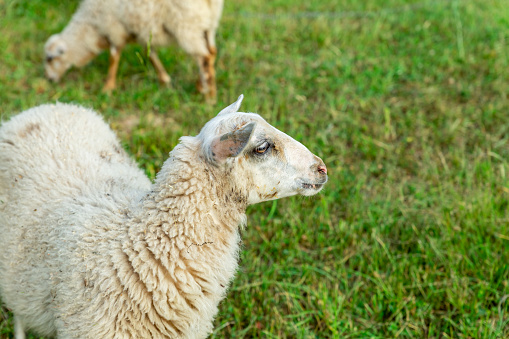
column 154, row 22
column 63, row 176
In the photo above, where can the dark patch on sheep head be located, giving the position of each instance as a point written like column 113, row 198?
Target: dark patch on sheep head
column 269, row 196
column 232, row 143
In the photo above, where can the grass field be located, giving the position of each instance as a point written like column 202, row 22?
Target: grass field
column 407, row 102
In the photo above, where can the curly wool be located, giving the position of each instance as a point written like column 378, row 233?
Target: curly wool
column 91, row 249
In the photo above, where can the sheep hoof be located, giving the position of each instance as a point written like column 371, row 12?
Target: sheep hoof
column 165, row 80
column 210, row 98
column 210, row 94
column 108, row 88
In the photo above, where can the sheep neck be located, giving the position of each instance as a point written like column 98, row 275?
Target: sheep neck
column 84, row 42
column 186, row 234
column 192, row 200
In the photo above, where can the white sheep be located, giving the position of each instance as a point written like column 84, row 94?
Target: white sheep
column 98, row 25
column 89, row 248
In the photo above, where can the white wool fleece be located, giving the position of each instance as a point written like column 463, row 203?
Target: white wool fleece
column 88, row 260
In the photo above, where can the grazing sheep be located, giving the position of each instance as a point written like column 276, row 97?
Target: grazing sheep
column 98, row 25
column 91, row 249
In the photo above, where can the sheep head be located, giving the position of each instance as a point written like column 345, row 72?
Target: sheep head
column 61, row 53
column 256, row 157
column 56, row 57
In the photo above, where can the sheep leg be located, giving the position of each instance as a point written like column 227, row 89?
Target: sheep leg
column 163, row 77
column 19, row 332
column 207, row 81
column 112, row 70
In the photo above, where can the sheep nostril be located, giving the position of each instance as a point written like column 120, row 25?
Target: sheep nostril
column 322, row 169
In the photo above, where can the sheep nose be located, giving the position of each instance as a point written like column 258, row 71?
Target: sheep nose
column 319, row 167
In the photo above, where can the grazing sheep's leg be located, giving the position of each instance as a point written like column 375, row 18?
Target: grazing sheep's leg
column 164, row 78
column 19, row 332
column 112, row 71
column 207, row 82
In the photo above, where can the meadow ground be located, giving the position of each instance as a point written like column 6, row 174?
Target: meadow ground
column 407, row 102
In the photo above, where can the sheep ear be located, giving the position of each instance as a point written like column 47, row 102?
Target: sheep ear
column 232, row 143
column 233, row 108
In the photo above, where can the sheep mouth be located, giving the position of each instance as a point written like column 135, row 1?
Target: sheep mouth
column 314, row 185
column 310, row 186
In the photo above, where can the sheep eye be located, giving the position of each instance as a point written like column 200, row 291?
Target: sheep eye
column 49, row 58
column 260, row 149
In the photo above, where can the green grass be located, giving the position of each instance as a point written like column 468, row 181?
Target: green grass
column 407, row 102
